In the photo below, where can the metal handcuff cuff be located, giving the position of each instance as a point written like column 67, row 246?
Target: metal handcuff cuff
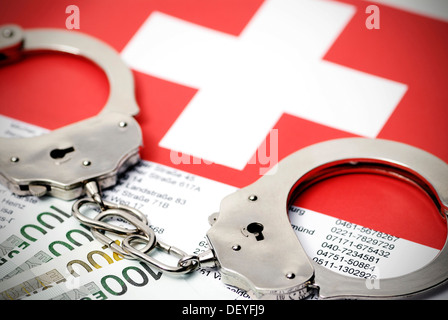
column 80, row 159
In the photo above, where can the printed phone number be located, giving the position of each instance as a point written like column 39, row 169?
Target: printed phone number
column 354, row 271
column 363, row 266
column 366, row 244
column 346, row 229
column 355, row 250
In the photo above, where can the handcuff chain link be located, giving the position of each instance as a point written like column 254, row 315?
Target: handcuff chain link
column 142, row 233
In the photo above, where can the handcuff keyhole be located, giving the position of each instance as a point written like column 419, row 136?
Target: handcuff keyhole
column 60, row 153
column 256, row 228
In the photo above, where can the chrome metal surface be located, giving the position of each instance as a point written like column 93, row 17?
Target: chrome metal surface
column 98, row 148
column 186, row 263
column 275, row 266
column 141, row 233
column 251, row 237
column 141, row 229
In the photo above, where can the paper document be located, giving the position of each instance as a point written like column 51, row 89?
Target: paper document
column 45, row 253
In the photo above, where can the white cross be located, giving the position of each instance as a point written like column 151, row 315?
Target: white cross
column 246, row 82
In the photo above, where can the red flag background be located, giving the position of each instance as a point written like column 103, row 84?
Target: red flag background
column 52, row 90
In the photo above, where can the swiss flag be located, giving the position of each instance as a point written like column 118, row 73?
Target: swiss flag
column 386, row 82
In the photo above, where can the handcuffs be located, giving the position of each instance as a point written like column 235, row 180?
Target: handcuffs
column 79, row 159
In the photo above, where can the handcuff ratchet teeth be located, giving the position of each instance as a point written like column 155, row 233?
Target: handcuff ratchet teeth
column 251, row 239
